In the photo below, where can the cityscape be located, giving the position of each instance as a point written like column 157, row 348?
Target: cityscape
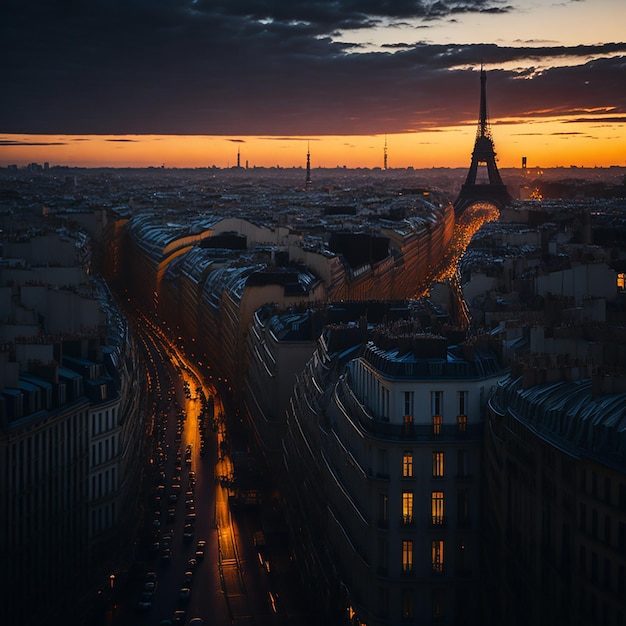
column 302, row 348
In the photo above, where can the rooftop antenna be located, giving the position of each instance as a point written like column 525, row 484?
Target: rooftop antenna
column 308, row 164
column 385, row 155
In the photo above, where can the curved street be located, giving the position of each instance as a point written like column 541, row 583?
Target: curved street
column 237, row 580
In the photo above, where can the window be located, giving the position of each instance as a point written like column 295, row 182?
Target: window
column 583, row 517
column 438, row 470
column 462, row 402
column 383, row 509
column 383, row 601
column 438, row 603
column 436, row 402
column 437, row 555
column 408, row 424
column 461, row 559
column 407, row 556
column 408, row 402
column 383, row 555
column 383, row 463
column 407, row 605
column 461, row 421
column 407, row 507
column 437, row 419
column 436, row 506
column 462, row 462
column 463, row 506
column 407, row 464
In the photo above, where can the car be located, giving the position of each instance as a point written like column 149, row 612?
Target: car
column 151, row 577
column 149, row 586
column 179, row 617
column 184, row 595
column 191, row 563
column 195, row 621
column 166, row 556
column 188, row 578
column 145, row 601
column 200, row 549
column 188, row 533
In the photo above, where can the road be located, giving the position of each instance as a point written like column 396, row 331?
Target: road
column 237, row 582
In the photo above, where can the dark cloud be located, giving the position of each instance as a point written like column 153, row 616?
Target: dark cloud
column 616, row 119
column 269, row 67
column 123, row 140
column 12, row 142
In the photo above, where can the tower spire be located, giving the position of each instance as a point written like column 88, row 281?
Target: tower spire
column 308, row 164
column 495, row 190
column 385, row 155
column 483, row 125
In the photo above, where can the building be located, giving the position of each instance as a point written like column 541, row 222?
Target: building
column 71, row 400
column 383, row 460
column 555, row 484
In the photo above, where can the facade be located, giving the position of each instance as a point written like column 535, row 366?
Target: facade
column 383, row 458
column 278, row 346
column 71, row 431
column 555, row 479
column 208, row 276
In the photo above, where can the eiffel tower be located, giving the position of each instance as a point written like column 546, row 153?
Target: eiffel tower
column 495, row 191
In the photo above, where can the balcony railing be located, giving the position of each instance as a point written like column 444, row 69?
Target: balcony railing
column 359, row 415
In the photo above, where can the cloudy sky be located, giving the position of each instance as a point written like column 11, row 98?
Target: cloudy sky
column 336, row 72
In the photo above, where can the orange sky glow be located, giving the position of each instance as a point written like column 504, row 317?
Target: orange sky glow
column 546, row 142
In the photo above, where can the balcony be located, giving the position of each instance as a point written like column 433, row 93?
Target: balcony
column 365, row 422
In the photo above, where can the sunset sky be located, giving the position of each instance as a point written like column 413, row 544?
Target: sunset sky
column 188, row 83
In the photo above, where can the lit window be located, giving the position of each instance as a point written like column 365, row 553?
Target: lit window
column 437, row 555
column 407, row 507
column 436, row 505
column 461, row 420
column 407, row 556
column 408, row 424
column 437, row 421
column 438, row 464
column 407, row 464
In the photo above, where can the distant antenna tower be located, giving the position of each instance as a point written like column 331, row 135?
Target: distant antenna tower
column 308, row 165
column 238, row 157
column 385, row 155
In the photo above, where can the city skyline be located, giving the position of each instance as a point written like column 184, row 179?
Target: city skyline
column 191, row 84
